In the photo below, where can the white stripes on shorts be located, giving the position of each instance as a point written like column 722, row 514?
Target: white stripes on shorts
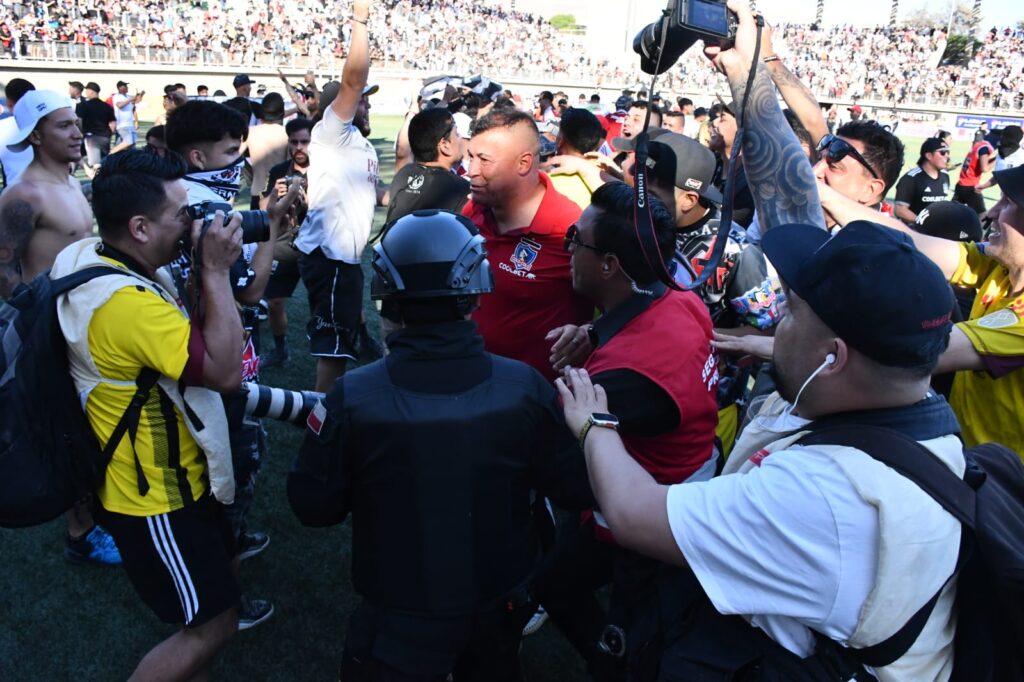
column 167, row 549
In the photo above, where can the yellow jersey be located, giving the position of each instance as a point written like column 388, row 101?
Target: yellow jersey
column 990, row 403
column 136, row 328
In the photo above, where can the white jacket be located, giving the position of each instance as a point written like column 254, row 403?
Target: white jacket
column 75, row 310
column 919, row 542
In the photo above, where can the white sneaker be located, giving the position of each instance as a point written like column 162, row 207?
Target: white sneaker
column 538, row 619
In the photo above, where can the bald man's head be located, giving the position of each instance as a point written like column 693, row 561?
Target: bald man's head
column 504, row 154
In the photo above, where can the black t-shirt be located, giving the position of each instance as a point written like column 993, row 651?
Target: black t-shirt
column 96, row 116
column 917, row 189
column 417, row 187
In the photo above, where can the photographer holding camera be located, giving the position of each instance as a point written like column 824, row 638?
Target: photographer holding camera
column 209, row 136
column 809, row 560
column 129, row 339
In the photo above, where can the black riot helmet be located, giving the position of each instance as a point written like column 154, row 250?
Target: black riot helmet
column 430, row 255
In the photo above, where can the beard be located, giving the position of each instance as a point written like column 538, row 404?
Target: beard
column 363, row 125
column 787, row 390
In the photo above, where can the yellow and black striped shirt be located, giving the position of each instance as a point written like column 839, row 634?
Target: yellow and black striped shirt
column 138, row 328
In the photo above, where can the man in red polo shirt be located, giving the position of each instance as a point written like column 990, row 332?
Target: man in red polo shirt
column 524, row 220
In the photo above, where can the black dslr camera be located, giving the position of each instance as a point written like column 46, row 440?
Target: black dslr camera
column 683, row 23
column 255, row 224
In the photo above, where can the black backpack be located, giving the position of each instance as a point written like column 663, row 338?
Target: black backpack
column 989, row 503
column 49, row 457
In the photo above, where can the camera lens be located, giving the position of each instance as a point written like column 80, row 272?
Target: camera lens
column 255, row 226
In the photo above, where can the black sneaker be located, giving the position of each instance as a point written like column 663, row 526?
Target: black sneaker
column 251, row 544
column 274, row 359
column 252, row 612
column 369, row 348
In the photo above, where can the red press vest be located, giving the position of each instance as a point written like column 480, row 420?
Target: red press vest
column 670, row 344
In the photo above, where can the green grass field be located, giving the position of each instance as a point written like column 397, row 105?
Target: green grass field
column 62, row 622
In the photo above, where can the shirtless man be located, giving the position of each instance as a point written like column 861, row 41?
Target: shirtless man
column 40, row 214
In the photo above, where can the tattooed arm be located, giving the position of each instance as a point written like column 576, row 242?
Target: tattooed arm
column 778, row 172
column 797, row 96
column 16, row 222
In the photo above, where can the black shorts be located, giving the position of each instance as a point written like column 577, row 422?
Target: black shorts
column 180, row 562
column 969, row 196
column 335, row 291
column 284, row 277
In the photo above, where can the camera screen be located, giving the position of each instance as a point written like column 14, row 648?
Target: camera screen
column 707, row 17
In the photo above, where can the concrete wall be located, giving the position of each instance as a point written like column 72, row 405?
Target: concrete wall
column 396, row 86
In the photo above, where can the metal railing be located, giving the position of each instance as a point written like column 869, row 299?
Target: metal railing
column 78, row 53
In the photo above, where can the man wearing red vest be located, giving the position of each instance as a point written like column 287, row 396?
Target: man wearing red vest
column 652, row 353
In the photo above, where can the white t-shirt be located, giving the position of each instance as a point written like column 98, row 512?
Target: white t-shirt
column 342, row 193
column 124, row 116
column 1012, row 161
column 791, row 537
column 14, row 163
column 691, row 127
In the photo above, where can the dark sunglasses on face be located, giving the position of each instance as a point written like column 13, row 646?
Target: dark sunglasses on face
column 838, row 149
column 572, row 240
column 944, row 152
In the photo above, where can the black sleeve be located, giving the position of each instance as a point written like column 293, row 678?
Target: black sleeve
column 318, row 484
column 275, row 174
column 110, row 113
column 905, row 190
column 558, row 468
column 642, row 407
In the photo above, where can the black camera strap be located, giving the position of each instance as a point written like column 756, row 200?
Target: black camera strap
column 643, row 222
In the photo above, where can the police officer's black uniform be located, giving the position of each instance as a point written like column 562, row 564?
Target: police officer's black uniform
column 434, row 450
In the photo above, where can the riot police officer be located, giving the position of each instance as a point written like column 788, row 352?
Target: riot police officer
column 435, row 450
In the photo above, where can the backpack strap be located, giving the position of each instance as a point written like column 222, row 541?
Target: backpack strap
column 64, row 284
column 913, row 461
column 129, row 422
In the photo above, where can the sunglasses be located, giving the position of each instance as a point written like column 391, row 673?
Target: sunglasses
column 572, row 240
column 944, row 152
column 838, row 149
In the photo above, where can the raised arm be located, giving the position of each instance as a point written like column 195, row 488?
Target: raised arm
column 943, row 252
column 403, row 150
column 300, row 105
column 16, row 222
column 797, row 96
column 779, row 175
column 357, row 64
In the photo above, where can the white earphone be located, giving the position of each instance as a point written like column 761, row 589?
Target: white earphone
column 830, row 359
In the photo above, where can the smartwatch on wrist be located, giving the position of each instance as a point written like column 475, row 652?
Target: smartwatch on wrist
column 599, row 419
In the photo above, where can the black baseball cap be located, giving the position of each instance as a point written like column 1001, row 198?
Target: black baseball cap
column 949, row 220
column 930, row 145
column 76, row 84
column 871, row 287
column 122, row 84
column 1011, row 181
column 242, row 79
column 686, row 163
column 92, row 85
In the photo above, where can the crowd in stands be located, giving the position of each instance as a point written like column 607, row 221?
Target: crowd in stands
column 647, row 349
column 898, row 64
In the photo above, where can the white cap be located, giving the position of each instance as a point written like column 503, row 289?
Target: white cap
column 462, row 124
column 370, row 90
column 30, row 109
